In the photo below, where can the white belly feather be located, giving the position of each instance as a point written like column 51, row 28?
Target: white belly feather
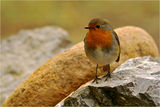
column 102, row 57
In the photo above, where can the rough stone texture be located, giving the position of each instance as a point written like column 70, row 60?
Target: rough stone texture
column 21, row 54
column 66, row 72
column 134, row 83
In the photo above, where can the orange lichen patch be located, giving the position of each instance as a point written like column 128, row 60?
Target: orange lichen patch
column 98, row 37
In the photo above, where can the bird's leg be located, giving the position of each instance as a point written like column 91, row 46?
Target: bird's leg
column 108, row 75
column 96, row 77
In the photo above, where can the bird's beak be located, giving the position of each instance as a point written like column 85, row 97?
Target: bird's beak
column 87, row 27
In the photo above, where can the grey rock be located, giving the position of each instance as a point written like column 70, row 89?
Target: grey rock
column 22, row 53
column 134, row 83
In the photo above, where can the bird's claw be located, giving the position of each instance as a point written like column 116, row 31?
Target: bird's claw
column 96, row 80
column 108, row 75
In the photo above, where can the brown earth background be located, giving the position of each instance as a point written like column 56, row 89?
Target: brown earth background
column 75, row 15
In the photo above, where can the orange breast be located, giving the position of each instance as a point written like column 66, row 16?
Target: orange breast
column 99, row 38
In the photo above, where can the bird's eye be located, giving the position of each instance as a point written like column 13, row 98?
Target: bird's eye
column 97, row 26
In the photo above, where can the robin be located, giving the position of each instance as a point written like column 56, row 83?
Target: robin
column 101, row 45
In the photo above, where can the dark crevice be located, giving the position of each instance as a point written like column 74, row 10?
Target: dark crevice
column 125, row 100
column 115, row 98
column 99, row 96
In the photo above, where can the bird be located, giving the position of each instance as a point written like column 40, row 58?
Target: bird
column 101, row 45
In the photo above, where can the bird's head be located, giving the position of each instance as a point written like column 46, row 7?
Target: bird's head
column 98, row 24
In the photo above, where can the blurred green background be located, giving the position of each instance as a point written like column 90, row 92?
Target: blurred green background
column 75, row 15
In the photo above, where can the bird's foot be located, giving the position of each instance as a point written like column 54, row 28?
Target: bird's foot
column 108, row 75
column 96, row 80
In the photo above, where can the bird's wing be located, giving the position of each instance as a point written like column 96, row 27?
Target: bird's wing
column 118, row 45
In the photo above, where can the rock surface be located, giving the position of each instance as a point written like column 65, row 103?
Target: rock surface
column 66, row 72
column 134, row 83
column 21, row 54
